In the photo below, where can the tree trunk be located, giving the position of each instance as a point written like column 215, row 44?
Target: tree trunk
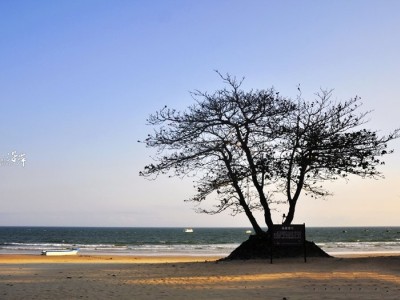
column 253, row 222
column 290, row 214
column 268, row 219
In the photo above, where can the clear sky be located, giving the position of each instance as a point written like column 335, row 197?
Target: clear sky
column 78, row 79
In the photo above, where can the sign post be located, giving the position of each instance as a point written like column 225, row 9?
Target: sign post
column 289, row 235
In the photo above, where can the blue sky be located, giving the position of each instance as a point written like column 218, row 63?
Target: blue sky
column 79, row 78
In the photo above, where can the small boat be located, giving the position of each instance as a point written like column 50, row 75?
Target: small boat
column 60, row 252
column 249, row 232
column 188, row 230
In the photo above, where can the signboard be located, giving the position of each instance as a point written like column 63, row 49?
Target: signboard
column 289, row 235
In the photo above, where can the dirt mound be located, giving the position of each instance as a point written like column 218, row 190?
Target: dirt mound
column 259, row 247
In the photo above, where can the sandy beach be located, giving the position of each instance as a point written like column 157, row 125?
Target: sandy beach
column 128, row 277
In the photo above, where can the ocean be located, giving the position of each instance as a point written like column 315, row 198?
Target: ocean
column 176, row 241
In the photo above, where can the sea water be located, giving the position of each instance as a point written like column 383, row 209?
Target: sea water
column 176, row 241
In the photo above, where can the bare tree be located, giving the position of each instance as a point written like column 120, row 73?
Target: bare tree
column 324, row 141
column 243, row 148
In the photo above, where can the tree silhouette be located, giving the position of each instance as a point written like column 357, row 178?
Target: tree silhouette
column 250, row 150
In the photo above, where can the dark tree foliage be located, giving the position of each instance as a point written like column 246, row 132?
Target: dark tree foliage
column 244, row 149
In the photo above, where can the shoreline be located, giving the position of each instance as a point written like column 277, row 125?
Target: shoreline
column 99, row 259
column 188, row 256
column 138, row 259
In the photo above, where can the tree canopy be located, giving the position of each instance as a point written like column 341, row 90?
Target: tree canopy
column 249, row 150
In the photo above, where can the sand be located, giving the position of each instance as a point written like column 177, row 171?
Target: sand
column 117, row 277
